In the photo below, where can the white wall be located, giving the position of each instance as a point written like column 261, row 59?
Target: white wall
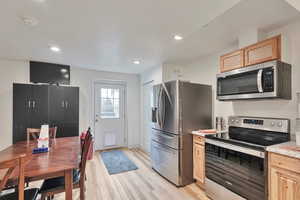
column 171, row 72
column 205, row 70
column 154, row 74
column 18, row 71
column 10, row 72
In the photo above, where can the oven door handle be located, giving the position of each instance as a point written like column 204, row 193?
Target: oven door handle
column 259, row 81
column 240, row 149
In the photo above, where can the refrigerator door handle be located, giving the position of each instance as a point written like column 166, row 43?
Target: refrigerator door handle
column 163, row 107
column 167, row 93
column 159, row 108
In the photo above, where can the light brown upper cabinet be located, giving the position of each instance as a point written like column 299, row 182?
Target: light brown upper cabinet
column 263, row 51
column 233, row 60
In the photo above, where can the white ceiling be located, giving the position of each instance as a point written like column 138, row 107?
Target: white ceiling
column 109, row 35
column 223, row 31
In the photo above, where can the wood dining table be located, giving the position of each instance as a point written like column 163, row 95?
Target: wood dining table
column 62, row 158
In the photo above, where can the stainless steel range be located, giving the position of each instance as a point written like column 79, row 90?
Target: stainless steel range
column 236, row 162
column 179, row 108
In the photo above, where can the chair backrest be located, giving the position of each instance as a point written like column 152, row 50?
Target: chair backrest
column 35, row 132
column 84, row 154
column 10, row 166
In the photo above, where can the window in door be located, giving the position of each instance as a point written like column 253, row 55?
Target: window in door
column 110, row 101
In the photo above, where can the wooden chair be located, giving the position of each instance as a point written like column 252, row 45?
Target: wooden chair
column 35, row 132
column 10, row 166
column 53, row 186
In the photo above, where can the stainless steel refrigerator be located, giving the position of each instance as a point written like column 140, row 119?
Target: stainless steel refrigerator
column 179, row 108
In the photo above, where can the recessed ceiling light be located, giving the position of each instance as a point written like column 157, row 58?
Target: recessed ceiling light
column 55, row 48
column 178, row 37
column 136, row 62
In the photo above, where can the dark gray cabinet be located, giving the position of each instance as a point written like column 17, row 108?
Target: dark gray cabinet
column 64, row 112
column 34, row 105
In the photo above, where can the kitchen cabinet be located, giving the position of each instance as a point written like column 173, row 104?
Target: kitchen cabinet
column 34, row 105
column 266, row 50
column 284, row 177
column 199, row 158
column 263, row 51
column 64, row 110
column 231, row 61
column 30, row 107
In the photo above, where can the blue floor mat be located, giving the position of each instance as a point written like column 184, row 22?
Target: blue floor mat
column 117, row 162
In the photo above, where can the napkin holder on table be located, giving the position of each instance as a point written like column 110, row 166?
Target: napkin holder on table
column 43, row 141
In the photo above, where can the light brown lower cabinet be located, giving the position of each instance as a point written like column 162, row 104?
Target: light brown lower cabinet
column 199, row 160
column 284, row 180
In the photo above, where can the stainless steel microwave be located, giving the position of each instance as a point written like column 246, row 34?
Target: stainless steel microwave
column 267, row 80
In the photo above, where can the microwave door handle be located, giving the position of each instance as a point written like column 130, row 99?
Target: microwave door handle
column 259, row 81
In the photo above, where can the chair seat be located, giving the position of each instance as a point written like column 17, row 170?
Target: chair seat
column 29, row 194
column 58, row 183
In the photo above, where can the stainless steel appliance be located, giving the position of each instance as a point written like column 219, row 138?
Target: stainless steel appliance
column 236, row 162
column 266, row 80
column 179, row 108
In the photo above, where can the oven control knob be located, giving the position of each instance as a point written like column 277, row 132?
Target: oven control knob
column 272, row 123
column 279, row 124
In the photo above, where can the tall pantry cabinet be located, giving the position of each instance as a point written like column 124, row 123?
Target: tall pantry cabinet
column 34, row 105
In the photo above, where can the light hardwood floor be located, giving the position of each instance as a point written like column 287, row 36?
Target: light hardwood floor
column 140, row 184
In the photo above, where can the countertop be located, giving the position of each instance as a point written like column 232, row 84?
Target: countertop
column 201, row 133
column 288, row 149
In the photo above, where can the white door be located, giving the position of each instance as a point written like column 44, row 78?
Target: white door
column 147, row 106
column 109, row 116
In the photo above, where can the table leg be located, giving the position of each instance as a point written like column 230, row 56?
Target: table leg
column 69, row 184
column 82, row 189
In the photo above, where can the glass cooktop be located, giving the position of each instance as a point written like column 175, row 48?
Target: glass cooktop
column 251, row 138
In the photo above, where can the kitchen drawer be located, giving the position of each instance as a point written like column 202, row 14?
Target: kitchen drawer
column 168, row 139
column 284, row 162
column 165, row 161
column 199, row 140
